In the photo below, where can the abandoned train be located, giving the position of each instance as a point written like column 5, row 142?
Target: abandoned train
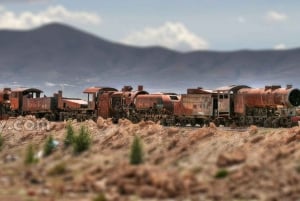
column 271, row 106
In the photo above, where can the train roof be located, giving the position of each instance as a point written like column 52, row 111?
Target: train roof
column 25, row 89
column 97, row 89
column 229, row 88
column 76, row 100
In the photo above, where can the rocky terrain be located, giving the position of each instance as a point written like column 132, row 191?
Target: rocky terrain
column 179, row 163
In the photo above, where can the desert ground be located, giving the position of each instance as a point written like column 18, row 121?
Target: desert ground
column 179, row 163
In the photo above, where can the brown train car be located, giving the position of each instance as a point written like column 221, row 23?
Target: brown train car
column 99, row 100
column 197, row 103
column 28, row 101
column 268, row 97
column 156, row 101
column 272, row 106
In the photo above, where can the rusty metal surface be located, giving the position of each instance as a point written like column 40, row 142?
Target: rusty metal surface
column 196, row 104
column 229, row 88
column 128, row 97
column 14, row 103
column 97, row 89
column 266, row 97
column 269, row 97
column 38, row 104
column 70, row 104
column 199, row 91
column 224, row 104
column 27, row 90
column 144, row 102
column 104, row 105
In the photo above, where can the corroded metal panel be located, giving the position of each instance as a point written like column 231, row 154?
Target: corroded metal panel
column 72, row 104
column 269, row 97
column 197, row 104
column 37, row 104
column 104, row 105
column 97, row 89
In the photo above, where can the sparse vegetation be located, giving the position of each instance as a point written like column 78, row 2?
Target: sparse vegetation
column 136, row 154
column 222, row 173
column 30, row 156
column 100, row 197
column 82, row 141
column 69, row 136
column 58, row 169
column 49, row 146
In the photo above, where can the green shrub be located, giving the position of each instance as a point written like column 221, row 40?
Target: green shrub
column 222, row 173
column 100, row 197
column 49, row 146
column 58, row 169
column 30, row 157
column 82, row 141
column 69, row 136
column 136, row 154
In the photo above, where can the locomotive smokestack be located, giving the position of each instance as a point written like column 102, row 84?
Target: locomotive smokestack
column 127, row 88
column 140, row 88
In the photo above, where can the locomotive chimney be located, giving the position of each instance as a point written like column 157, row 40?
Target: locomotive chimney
column 140, row 88
column 267, row 87
column 275, row 87
column 289, row 86
column 127, row 88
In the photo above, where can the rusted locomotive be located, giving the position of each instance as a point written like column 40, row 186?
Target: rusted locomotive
column 25, row 101
column 271, row 106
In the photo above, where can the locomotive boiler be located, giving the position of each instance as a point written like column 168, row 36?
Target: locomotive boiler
column 272, row 106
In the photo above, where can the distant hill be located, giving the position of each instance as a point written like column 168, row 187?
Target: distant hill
column 57, row 56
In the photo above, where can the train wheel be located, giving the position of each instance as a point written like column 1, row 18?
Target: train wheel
column 275, row 123
column 193, row 122
column 268, row 122
column 115, row 120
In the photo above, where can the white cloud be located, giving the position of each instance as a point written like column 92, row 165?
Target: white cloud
column 24, row 20
column 172, row 35
column 50, row 84
column 280, row 46
column 241, row 19
column 274, row 16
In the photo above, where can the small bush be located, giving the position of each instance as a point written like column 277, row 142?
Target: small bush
column 49, row 146
column 70, row 135
column 58, row 169
column 82, row 141
column 222, row 173
column 100, row 197
column 136, row 155
column 30, row 156
column 1, row 141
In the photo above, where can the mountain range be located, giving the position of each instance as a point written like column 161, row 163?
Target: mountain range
column 57, row 56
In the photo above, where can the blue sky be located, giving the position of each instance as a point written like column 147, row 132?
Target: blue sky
column 184, row 25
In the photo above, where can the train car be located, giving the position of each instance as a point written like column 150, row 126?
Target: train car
column 155, row 107
column 195, row 107
column 99, row 101
column 25, row 101
column 272, row 106
column 72, row 108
